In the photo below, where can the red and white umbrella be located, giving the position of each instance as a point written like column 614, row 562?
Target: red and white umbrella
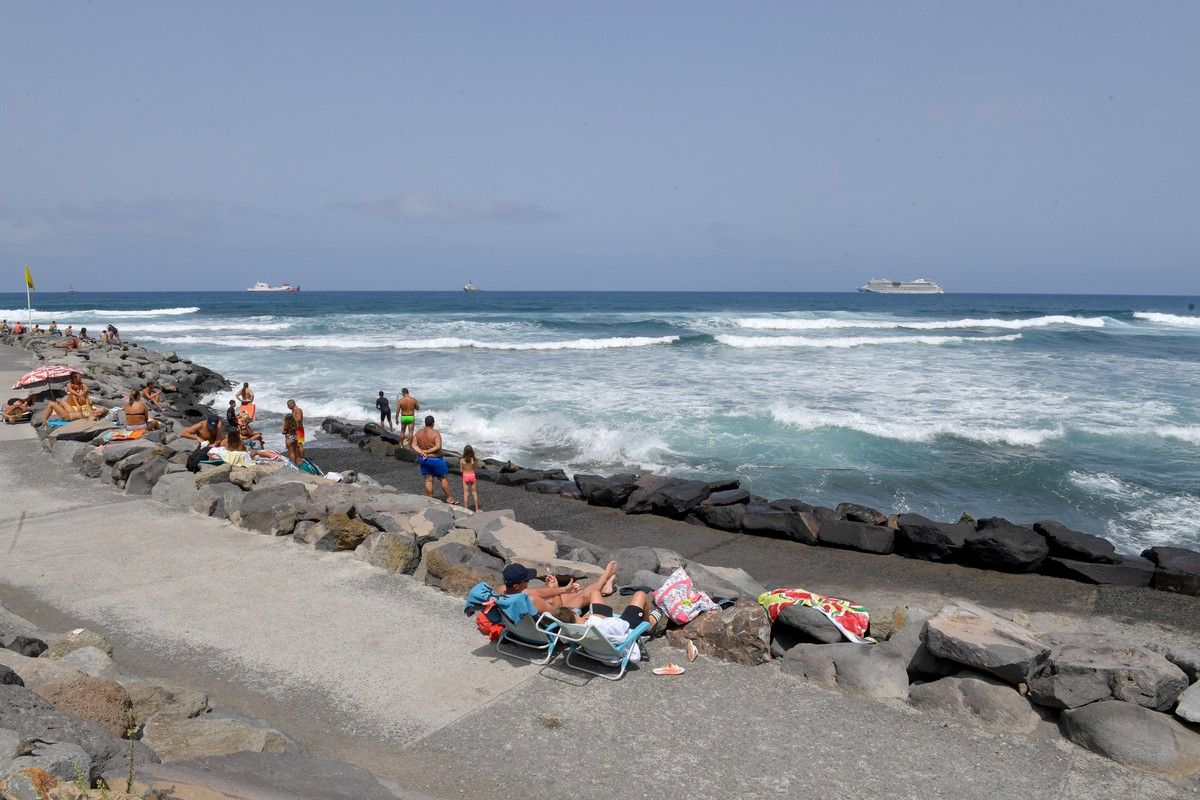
column 43, row 376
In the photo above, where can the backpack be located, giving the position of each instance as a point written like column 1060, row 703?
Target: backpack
column 195, row 457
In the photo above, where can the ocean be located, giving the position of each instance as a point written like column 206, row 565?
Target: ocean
column 1084, row 408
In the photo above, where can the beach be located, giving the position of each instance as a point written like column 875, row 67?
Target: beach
column 379, row 670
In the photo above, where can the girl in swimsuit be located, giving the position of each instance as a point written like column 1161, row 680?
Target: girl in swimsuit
column 468, row 464
column 289, row 438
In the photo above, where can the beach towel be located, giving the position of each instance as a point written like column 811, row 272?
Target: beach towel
column 852, row 620
column 122, row 435
column 680, row 599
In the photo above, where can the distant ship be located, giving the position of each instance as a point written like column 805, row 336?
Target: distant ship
column 471, row 287
column 266, row 287
column 71, row 289
column 885, row 286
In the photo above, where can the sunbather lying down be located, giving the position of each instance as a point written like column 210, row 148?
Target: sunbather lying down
column 16, row 410
column 615, row 629
column 552, row 596
column 70, row 413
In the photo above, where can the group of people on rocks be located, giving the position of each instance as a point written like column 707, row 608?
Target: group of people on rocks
column 235, row 432
column 77, row 405
column 427, row 442
column 71, row 340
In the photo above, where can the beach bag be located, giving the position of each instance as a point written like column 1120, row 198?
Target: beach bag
column 309, row 467
column 196, row 457
column 680, row 599
column 490, row 629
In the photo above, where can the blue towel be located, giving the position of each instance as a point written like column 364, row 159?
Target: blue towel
column 516, row 606
column 480, row 593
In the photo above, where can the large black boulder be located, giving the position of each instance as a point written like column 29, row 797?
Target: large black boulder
column 340, row 427
column 374, row 429
column 763, row 520
column 29, row 646
column 724, row 485
column 725, row 518
column 921, row 537
column 520, row 477
column 860, row 513
column 550, row 486
column 861, row 536
column 1076, row 546
column 1131, row 571
column 667, row 497
column 999, row 544
column 728, row 497
column 788, row 504
column 610, row 492
column 1178, row 570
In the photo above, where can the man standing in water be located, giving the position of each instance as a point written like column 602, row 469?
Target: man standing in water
column 428, row 444
column 385, row 410
column 407, row 407
column 298, row 415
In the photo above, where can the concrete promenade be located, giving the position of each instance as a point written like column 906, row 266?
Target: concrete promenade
column 376, row 669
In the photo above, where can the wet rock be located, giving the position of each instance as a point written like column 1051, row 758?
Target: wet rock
column 667, row 497
column 275, row 509
column 999, row 544
column 103, row 702
column 1178, row 570
column 550, row 486
column 392, row 552
column 977, row 638
column 765, row 520
column 921, row 537
column 1075, row 546
column 521, row 477
column 727, row 497
column 610, row 492
column 860, row 513
column 725, row 518
column 979, row 698
column 1129, row 571
column 740, row 633
column 859, row 668
column 1134, row 736
column 378, row 447
column 1084, row 668
column 860, row 536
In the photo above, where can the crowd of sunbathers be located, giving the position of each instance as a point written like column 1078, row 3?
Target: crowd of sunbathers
column 70, row 339
column 235, row 434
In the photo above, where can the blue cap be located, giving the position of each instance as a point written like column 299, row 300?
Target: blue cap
column 518, row 573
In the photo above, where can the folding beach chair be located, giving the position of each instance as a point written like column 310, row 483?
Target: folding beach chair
column 588, row 643
column 528, row 635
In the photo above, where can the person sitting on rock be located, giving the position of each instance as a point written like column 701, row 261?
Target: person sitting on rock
column 3, row 326
column 69, row 343
column 137, row 416
column 114, row 335
column 207, row 430
column 152, row 395
column 252, row 438
column 79, row 396
column 235, row 450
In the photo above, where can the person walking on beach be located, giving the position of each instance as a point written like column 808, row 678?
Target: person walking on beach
column 297, row 414
column 246, row 397
column 468, row 464
column 407, row 407
column 428, row 444
column 385, row 410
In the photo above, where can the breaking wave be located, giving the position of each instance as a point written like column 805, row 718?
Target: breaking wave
column 791, row 324
column 68, row 315
column 443, row 343
column 913, row 431
column 1167, row 319
column 852, row 341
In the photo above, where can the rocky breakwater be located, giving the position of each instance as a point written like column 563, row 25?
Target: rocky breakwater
column 994, row 543
column 73, row 725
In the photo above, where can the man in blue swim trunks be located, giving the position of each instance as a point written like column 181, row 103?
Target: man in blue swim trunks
column 428, row 444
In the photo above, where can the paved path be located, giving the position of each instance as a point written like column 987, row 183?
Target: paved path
column 382, row 671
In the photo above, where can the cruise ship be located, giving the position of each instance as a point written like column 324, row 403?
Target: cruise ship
column 885, row 286
column 262, row 286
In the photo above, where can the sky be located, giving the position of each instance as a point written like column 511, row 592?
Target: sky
column 795, row 146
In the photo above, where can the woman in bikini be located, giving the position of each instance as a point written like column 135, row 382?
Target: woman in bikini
column 468, row 464
column 289, row 438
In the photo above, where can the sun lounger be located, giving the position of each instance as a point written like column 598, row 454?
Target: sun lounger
column 528, row 635
column 588, row 643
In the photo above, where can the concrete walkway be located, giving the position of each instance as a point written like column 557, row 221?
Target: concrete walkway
column 379, row 670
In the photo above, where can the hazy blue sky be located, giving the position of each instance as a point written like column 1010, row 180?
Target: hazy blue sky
column 793, row 146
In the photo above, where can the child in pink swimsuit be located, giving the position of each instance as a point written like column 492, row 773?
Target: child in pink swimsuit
column 468, row 464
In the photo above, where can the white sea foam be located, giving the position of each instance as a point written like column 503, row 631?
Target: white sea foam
column 913, row 431
column 209, row 324
column 441, row 343
column 1149, row 518
column 852, row 341
column 832, row 323
column 1174, row 320
column 67, row 316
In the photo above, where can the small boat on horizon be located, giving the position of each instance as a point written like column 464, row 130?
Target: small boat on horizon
column 262, row 286
column 471, row 287
column 886, row 286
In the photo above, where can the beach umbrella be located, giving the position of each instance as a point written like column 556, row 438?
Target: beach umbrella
column 43, row 376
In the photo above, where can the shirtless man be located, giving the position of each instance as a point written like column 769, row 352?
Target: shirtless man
column 207, row 431
column 553, row 596
column 298, row 415
column 428, row 444
column 137, row 416
column 152, row 395
column 245, row 396
column 407, row 407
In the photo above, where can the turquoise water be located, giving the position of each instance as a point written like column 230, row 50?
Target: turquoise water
column 1082, row 408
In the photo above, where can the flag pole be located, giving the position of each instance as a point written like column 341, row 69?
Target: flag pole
column 28, row 302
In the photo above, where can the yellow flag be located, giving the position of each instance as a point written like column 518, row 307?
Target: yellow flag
column 28, row 277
